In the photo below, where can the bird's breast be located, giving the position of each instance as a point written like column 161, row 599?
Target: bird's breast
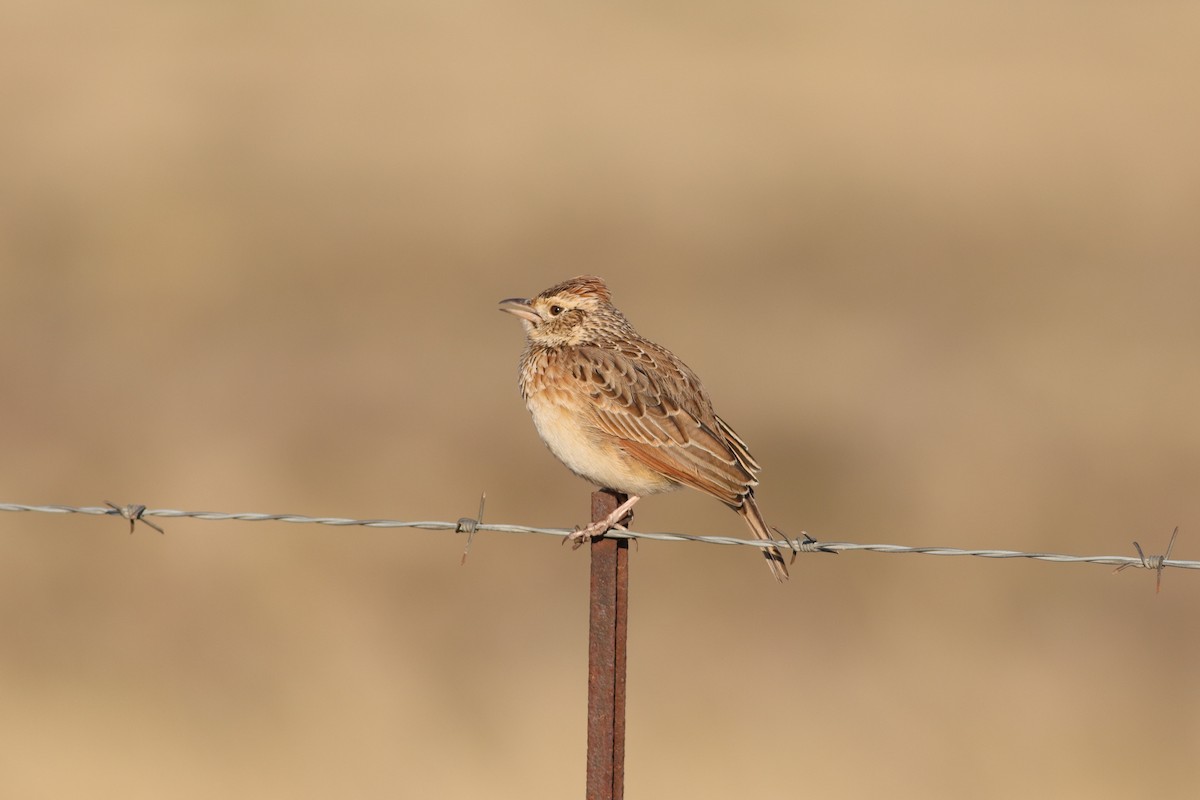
column 563, row 419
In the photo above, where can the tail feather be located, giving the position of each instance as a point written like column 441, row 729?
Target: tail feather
column 758, row 525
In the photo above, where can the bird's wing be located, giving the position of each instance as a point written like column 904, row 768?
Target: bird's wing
column 739, row 447
column 657, row 412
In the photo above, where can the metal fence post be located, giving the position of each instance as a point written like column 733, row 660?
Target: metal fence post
column 608, row 626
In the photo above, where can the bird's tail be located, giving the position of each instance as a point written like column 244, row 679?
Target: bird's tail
column 758, row 525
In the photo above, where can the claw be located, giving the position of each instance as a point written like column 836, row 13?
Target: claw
column 597, row 529
column 580, row 536
column 587, row 534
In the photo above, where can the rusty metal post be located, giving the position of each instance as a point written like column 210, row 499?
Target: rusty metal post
column 609, row 623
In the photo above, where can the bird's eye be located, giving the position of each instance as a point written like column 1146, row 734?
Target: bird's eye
column 555, row 310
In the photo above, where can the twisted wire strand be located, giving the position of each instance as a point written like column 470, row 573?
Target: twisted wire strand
column 470, row 525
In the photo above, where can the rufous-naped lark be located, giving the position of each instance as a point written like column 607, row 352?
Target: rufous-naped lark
column 625, row 413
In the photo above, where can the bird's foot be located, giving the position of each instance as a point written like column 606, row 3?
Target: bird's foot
column 580, row 536
column 622, row 513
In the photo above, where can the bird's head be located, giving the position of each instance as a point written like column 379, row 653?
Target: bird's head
column 572, row 313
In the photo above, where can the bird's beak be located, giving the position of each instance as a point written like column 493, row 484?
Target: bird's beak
column 521, row 308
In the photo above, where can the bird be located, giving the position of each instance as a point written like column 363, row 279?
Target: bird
column 627, row 414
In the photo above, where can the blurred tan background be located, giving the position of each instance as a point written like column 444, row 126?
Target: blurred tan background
column 938, row 263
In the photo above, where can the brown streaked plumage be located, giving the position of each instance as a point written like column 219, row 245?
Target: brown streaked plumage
column 625, row 413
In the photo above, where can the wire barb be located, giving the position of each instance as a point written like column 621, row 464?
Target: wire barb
column 469, row 526
column 133, row 512
column 806, row 545
column 1155, row 563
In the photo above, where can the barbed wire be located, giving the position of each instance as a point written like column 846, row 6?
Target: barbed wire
column 469, row 525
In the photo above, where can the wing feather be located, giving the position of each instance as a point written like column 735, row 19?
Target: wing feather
column 659, row 413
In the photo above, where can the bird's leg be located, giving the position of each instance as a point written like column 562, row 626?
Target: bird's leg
column 582, row 535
